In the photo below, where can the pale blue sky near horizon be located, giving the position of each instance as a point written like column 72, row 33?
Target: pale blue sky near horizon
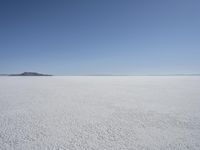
column 79, row 37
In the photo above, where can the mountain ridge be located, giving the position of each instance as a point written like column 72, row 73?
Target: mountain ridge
column 26, row 74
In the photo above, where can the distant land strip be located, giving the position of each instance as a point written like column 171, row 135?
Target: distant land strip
column 26, row 74
column 40, row 74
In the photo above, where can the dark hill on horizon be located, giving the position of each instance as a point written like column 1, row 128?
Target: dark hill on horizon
column 29, row 74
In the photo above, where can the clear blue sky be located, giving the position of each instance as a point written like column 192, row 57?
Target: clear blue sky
column 66, row 37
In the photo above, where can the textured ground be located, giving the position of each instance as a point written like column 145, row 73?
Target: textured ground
column 97, row 113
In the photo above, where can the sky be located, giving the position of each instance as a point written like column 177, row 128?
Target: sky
column 91, row 37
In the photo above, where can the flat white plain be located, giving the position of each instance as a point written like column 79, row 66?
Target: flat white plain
column 100, row 112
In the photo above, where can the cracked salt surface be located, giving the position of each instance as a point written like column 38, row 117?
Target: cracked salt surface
column 89, row 113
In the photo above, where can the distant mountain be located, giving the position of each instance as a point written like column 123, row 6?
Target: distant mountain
column 29, row 74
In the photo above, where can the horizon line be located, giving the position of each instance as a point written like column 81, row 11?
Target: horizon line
column 168, row 74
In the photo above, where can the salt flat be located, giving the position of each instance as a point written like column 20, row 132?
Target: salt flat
column 100, row 113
